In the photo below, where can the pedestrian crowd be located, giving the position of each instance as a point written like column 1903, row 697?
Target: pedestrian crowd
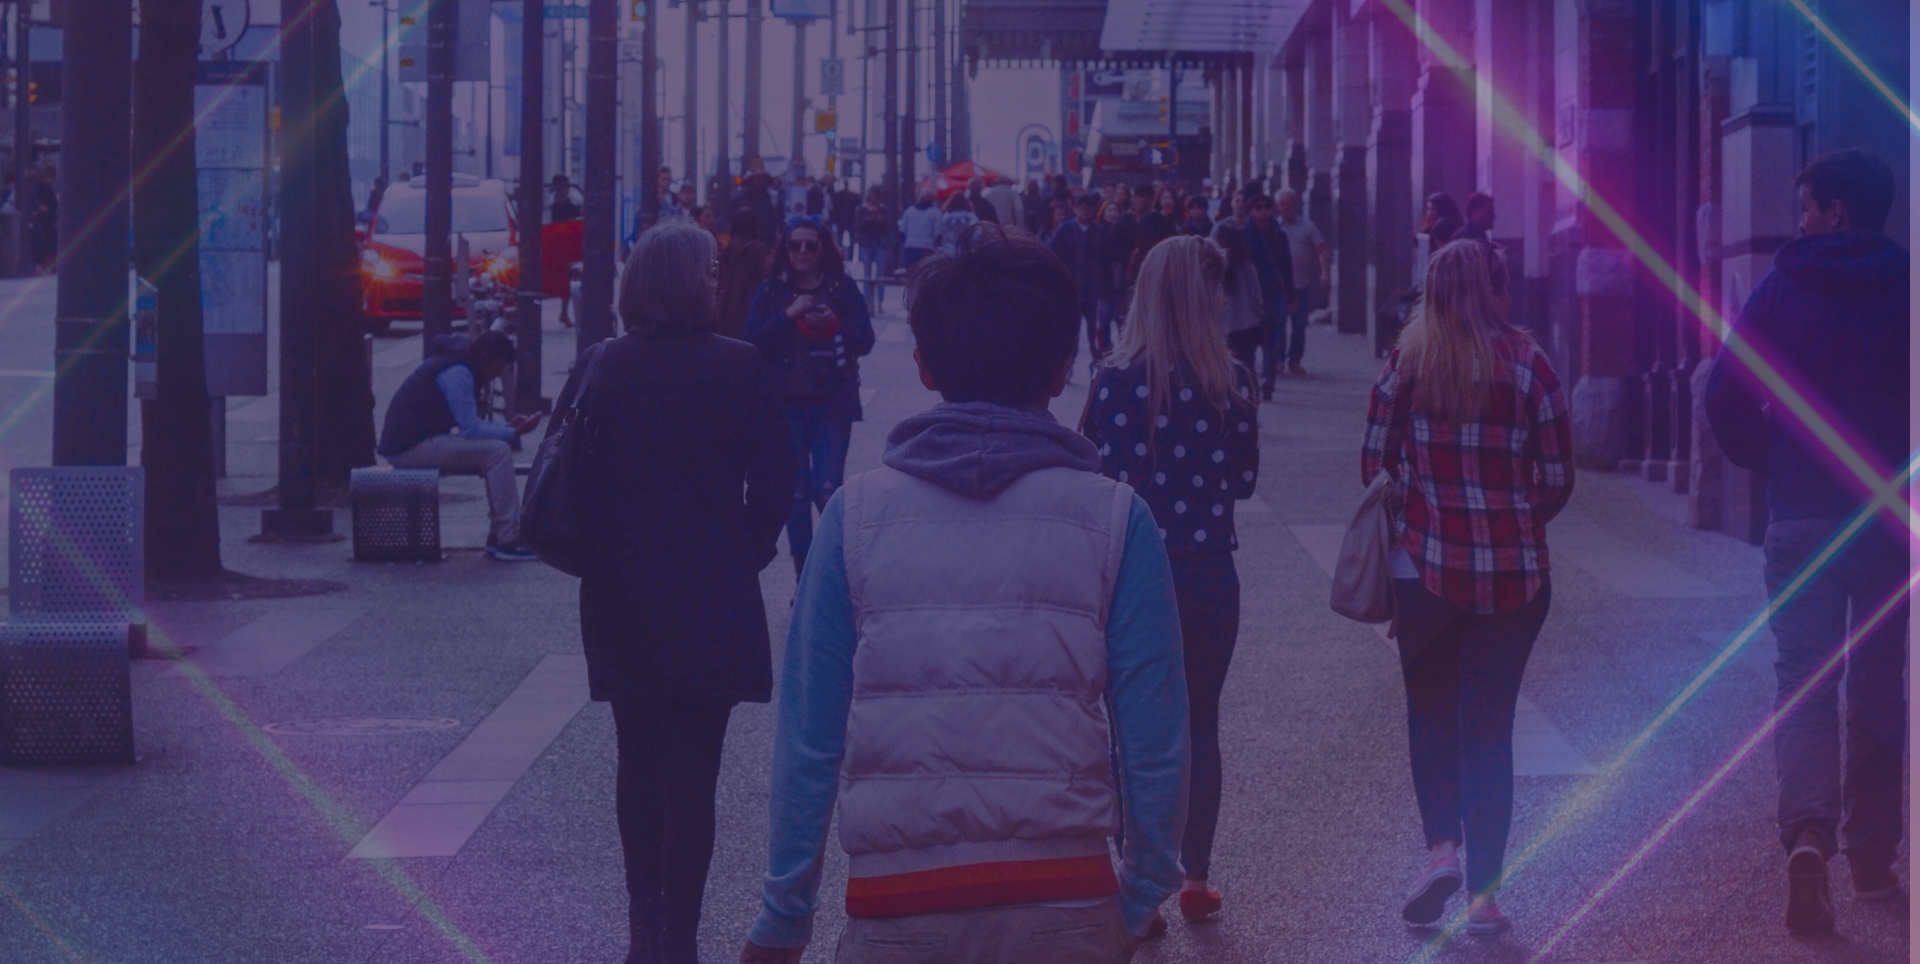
column 1008, row 643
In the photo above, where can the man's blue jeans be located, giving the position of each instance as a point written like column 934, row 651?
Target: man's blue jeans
column 820, row 439
column 1864, row 804
column 1290, row 327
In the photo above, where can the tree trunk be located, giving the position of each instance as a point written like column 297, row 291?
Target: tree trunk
column 182, row 513
column 343, row 376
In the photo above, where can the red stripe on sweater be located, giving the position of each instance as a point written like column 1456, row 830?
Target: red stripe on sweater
column 981, row 885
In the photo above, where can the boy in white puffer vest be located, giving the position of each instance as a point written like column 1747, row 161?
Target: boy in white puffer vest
column 982, row 627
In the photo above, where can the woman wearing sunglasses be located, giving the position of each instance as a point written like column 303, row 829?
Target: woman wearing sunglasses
column 810, row 318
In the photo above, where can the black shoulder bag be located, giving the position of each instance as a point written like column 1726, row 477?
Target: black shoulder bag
column 553, row 514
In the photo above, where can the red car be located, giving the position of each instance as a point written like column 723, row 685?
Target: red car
column 391, row 261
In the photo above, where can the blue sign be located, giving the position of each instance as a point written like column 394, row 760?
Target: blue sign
column 802, row 9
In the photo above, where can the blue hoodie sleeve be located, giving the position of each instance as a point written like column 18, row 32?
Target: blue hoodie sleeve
column 810, row 733
column 1147, row 686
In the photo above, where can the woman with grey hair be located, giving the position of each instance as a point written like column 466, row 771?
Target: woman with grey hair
column 688, row 475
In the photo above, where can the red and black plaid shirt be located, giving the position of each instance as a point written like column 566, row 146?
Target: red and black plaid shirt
column 1478, row 494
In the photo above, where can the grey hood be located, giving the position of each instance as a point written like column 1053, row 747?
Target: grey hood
column 979, row 448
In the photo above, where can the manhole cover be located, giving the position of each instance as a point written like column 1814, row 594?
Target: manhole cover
column 360, row 726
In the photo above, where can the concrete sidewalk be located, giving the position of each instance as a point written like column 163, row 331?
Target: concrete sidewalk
column 407, row 771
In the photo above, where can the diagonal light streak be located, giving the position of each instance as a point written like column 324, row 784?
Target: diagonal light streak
column 1780, row 388
column 1739, row 756
column 1867, row 73
column 40, row 924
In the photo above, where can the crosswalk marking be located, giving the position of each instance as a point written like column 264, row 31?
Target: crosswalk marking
column 1539, row 748
column 443, row 810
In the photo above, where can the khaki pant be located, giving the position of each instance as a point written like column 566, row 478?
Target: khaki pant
column 1022, row 934
column 487, row 458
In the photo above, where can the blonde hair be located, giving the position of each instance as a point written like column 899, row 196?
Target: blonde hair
column 1448, row 351
column 1175, row 324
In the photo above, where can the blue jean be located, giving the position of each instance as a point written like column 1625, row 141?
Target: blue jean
column 1207, row 589
column 820, row 440
column 1290, row 324
column 1462, row 672
column 1273, row 331
column 1862, row 807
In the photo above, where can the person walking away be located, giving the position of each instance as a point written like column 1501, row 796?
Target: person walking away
column 1077, row 244
column 688, row 476
column 433, row 422
column 958, row 216
column 1116, row 251
column 1479, row 217
column 873, row 232
column 977, row 200
column 1006, row 203
column 845, row 204
column 1832, row 319
column 1273, row 260
column 743, row 265
column 919, row 230
column 1174, row 417
column 564, row 207
column 1484, row 462
column 1312, row 268
column 1034, row 207
column 979, row 616
column 1245, row 315
column 809, row 318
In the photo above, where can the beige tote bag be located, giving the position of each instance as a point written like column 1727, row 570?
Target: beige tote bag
column 1363, row 575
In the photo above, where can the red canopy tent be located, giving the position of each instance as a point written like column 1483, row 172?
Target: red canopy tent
column 954, row 179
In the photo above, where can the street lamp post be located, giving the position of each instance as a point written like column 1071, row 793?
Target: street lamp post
column 527, row 310
column 386, row 121
column 723, row 145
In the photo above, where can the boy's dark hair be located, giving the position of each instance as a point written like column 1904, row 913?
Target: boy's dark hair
column 1862, row 182
column 997, row 321
column 493, row 345
column 1143, row 189
column 1087, row 200
column 1478, row 200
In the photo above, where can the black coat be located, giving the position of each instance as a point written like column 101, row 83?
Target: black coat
column 691, row 469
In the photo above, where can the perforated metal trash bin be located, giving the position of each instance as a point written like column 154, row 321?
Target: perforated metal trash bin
column 77, row 543
column 396, row 515
column 66, row 694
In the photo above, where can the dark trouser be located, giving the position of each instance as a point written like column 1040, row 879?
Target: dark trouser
column 1270, row 332
column 1462, row 672
column 1207, row 589
column 911, row 256
column 1245, row 343
column 663, row 796
column 820, row 440
column 1097, row 343
column 1290, row 334
column 1864, row 805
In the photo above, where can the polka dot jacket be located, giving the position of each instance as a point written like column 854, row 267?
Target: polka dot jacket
column 1192, row 466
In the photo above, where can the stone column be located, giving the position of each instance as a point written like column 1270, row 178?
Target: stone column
column 1216, row 166
column 1510, row 58
column 1229, row 134
column 1443, row 102
column 1347, row 227
column 1599, row 103
column 1317, row 52
column 1390, row 205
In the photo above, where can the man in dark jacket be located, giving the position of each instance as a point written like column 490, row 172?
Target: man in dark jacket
column 433, row 422
column 1077, row 242
column 1831, row 320
column 1272, row 259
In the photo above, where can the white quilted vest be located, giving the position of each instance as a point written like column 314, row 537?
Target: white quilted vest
column 978, row 731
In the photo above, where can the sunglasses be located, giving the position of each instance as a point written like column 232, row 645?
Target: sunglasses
column 803, row 247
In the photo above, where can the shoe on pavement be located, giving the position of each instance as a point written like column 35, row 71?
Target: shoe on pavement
column 1484, row 919
column 1428, row 901
column 1809, row 896
column 1156, row 927
column 516, row 552
column 1874, row 881
column 1293, row 368
column 1199, row 904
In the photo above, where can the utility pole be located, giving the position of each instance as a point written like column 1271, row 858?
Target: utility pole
column 833, row 101
column 910, row 120
column 386, row 116
column 598, row 164
column 796, row 155
column 297, row 516
column 91, row 327
column 941, row 134
column 723, row 146
column 690, row 107
column 901, row 183
column 961, row 146
column 750, row 101
column 436, row 306
column 533, row 172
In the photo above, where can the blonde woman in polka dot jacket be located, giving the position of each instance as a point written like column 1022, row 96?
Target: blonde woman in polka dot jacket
column 1176, row 418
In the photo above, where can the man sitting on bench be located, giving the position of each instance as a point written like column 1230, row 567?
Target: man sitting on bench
column 434, row 422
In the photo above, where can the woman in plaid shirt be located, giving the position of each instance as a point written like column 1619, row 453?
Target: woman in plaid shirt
column 1470, row 418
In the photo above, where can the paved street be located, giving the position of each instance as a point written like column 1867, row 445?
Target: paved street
column 407, row 772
